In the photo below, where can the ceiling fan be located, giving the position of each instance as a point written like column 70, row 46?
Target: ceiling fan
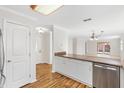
column 94, row 36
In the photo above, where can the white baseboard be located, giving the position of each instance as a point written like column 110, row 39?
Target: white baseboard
column 53, row 71
column 33, row 80
column 42, row 62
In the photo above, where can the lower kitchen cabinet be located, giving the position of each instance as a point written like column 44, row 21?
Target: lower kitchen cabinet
column 75, row 69
column 90, row 73
column 59, row 65
column 84, row 72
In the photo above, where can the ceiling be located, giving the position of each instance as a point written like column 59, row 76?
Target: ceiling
column 110, row 18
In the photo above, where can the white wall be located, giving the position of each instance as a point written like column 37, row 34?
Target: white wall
column 60, row 42
column 91, row 47
column 77, row 45
column 114, row 43
column 44, row 47
column 81, row 46
column 38, row 48
column 60, row 39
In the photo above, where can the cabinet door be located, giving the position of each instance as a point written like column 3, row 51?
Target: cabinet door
column 65, row 66
column 60, row 65
column 84, row 72
column 70, row 67
column 57, row 64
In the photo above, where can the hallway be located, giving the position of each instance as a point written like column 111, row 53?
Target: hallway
column 46, row 79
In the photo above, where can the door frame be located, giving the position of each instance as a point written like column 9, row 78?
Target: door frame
column 5, row 45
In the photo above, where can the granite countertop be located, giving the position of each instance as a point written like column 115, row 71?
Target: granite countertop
column 109, row 61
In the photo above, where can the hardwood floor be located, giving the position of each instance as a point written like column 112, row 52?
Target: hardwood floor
column 47, row 79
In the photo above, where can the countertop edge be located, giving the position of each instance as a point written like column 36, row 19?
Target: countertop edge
column 82, row 59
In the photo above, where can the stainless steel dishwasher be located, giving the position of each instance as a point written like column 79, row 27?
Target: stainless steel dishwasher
column 106, row 76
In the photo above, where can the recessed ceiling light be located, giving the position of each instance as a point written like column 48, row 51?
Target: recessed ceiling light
column 45, row 9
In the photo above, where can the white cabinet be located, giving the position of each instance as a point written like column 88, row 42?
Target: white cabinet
column 59, row 65
column 70, row 67
column 75, row 69
column 84, row 72
column 64, row 66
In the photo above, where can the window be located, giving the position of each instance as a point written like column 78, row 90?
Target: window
column 103, row 48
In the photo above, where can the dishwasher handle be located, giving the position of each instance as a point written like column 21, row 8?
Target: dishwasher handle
column 108, row 68
column 99, row 66
column 111, row 68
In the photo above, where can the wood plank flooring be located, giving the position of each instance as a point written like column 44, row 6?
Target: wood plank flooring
column 47, row 79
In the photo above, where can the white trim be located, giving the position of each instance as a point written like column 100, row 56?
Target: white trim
column 51, row 48
column 5, row 48
column 33, row 80
column 18, row 13
column 16, row 22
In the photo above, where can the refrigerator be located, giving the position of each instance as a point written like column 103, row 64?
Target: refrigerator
column 2, row 61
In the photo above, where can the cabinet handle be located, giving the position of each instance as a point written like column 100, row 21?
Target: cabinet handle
column 98, row 66
column 109, row 68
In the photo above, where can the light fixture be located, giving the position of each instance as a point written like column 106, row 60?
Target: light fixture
column 41, row 29
column 94, row 36
column 45, row 9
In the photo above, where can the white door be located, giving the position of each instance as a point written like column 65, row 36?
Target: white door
column 17, row 54
column 38, row 49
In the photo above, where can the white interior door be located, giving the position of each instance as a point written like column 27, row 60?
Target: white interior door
column 38, row 49
column 17, row 54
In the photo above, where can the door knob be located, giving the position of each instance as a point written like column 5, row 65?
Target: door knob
column 9, row 60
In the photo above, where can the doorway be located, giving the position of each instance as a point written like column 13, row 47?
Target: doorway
column 44, row 52
column 44, row 47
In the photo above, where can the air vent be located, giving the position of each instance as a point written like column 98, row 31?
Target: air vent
column 88, row 19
